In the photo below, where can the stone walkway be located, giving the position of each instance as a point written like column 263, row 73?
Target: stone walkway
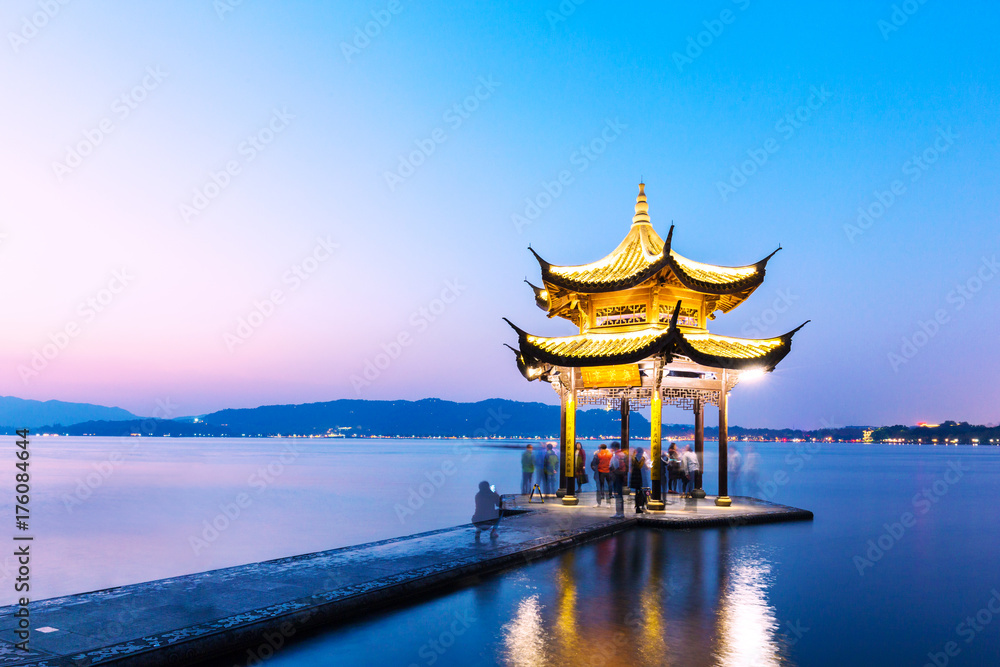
column 257, row 606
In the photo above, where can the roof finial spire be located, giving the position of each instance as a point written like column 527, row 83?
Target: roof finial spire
column 641, row 207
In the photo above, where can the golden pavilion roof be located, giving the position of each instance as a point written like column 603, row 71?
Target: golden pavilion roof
column 606, row 348
column 643, row 255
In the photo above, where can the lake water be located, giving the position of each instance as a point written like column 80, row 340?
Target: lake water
column 901, row 559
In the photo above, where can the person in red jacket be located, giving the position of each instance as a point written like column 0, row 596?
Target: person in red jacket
column 602, row 469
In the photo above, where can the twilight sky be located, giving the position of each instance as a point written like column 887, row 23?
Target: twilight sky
column 227, row 204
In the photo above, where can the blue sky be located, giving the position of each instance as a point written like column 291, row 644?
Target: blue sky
column 280, row 280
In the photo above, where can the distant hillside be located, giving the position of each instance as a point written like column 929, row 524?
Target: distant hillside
column 433, row 417
column 18, row 413
column 430, row 417
column 146, row 427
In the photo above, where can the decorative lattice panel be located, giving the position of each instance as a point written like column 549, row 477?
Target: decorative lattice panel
column 611, row 398
column 684, row 398
column 620, row 315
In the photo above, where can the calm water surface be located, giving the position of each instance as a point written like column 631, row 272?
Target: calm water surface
column 901, row 559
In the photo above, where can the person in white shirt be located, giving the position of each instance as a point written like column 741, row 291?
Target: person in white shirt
column 689, row 466
column 735, row 465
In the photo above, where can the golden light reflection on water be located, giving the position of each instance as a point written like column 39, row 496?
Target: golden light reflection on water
column 747, row 624
column 524, row 637
column 646, row 599
column 566, row 621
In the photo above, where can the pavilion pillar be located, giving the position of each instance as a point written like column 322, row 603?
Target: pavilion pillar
column 625, row 416
column 569, row 441
column 561, row 491
column 699, row 447
column 655, row 433
column 723, row 500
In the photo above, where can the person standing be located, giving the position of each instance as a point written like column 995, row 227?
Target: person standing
column 618, row 468
column 636, row 481
column 645, row 467
column 540, row 467
column 551, row 470
column 673, row 468
column 689, row 465
column 602, row 458
column 527, row 469
column 581, row 466
column 734, row 463
column 751, row 469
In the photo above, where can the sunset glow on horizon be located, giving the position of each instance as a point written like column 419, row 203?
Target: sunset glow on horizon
column 271, row 204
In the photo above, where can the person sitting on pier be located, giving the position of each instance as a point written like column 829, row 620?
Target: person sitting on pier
column 488, row 506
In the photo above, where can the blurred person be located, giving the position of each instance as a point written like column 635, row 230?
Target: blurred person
column 734, row 464
column 487, row 510
column 540, row 466
column 645, row 468
column 673, row 468
column 551, row 465
column 618, row 468
column 751, row 469
column 639, row 462
column 581, row 466
column 602, row 468
column 527, row 469
column 690, row 468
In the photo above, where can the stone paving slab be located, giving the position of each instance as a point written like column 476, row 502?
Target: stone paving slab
column 183, row 619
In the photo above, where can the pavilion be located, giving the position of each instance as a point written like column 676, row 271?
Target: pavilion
column 642, row 313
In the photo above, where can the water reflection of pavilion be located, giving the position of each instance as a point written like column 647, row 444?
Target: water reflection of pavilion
column 647, row 597
column 642, row 313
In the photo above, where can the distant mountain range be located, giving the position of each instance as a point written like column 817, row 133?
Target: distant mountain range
column 18, row 413
column 430, row 417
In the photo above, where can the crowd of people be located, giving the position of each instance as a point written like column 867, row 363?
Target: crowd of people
column 611, row 467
